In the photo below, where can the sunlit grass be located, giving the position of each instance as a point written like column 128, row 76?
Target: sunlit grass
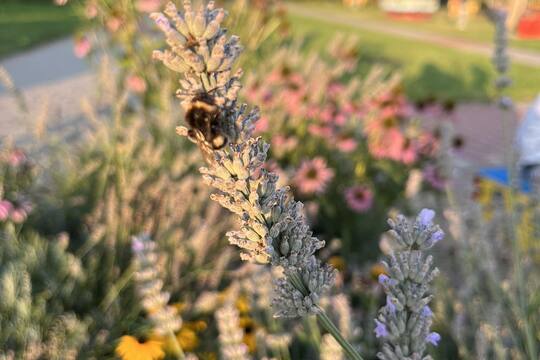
column 428, row 69
column 478, row 28
column 23, row 25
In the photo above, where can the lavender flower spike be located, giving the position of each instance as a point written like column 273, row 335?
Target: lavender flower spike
column 273, row 228
column 404, row 323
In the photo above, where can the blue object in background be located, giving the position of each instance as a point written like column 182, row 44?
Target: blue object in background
column 500, row 176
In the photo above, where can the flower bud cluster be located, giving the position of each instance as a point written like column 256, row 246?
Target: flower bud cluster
column 201, row 51
column 501, row 59
column 165, row 318
column 404, row 322
column 273, row 228
column 231, row 334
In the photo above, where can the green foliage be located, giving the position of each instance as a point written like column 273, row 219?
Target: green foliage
column 38, row 278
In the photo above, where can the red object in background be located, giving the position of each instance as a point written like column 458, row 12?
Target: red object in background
column 529, row 25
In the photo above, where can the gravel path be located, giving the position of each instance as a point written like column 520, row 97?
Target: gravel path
column 53, row 83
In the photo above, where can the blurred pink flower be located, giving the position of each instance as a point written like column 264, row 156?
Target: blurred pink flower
column 274, row 77
column 326, row 114
column 428, row 144
column 340, row 119
column 18, row 215
column 348, row 108
column 136, row 84
column 311, row 210
column 148, row 6
column 386, row 143
column 261, row 125
column 113, row 24
column 346, row 144
column 60, row 2
column 409, row 153
column 17, row 157
column 5, row 209
column 313, row 176
column 335, row 89
column 91, row 10
column 323, row 131
column 82, row 47
column 283, row 144
column 359, row 198
column 434, row 177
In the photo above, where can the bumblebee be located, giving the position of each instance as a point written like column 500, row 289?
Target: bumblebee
column 204, row 119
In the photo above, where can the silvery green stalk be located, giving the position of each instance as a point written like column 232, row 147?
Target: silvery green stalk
column 231, row 334
column 501, row 60
column 404, row 323
column 273, row 227
column 165, row 318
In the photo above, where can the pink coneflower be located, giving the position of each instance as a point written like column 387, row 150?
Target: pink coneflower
column 91, row 10
column 346, row 144
column 113, row 24
column 385, row 139
column 409, row 153
column 5, row 209
column 261, row 125
column 148, row 6
column 283, row 144
column 313, row 176
column 82, row 47
column 16, row 158
column 359, row 198
column 18, row 215
column 340, row 119
column 323, row 131
column 136, row 84
column 326, row 114
column 387, row 145
column 434, row 177
column 335, row 89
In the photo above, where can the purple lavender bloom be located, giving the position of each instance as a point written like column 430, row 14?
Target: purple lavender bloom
column 137, row 246
column 425, row 218
column 437, row 236
column 161, row 21
column 426, row 311
column 383, row 279
column 380, row 329
column 433, row 338
column 390, row 305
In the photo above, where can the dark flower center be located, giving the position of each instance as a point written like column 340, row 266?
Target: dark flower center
column 312, row 173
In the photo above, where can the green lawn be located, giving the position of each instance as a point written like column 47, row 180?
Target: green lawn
column 427, row 69
column 25, row 24
column 479, row 29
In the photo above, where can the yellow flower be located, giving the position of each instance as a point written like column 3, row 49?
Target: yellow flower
column 338, row 263
column 188, row 339
column 179, row 306
column 251, row 341
column 377, row 269
column 242, row 304
column 129, row 348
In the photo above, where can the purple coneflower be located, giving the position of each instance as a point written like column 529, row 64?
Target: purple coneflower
column 359, row 198
column 313, row 176
column 5, row 209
